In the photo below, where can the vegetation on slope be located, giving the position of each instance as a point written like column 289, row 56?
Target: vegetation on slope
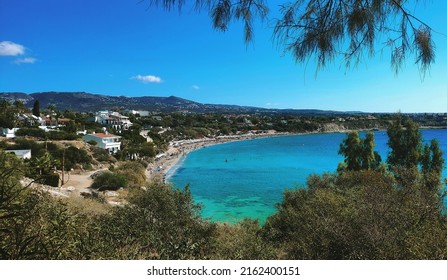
column 394, row 212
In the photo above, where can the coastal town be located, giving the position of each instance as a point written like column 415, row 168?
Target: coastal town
column 223, row 139
column 108, row 131
column 156, row 140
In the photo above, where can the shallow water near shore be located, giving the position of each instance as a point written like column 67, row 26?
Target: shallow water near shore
column 245, row 179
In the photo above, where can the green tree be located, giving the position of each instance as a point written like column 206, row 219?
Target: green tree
column 432, row 164
column 36, row 108
column 404, row 142
column 51, row 108
column 42, row 169
column 43, row 165
column 370, row 158
column 70, row 127
column 73, row 156
column 408, row 157
column 432, row 160
column 7, row 116
column 325, row 29
column 11, row 171
column 359, row 153
column 32, row 224
column 19, row 106
column 350, row 148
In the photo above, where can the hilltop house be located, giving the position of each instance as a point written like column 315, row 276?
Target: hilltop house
column 55, row 122
column 30, row 120
column 105, row 141
column 137, row 112
column 113, row 119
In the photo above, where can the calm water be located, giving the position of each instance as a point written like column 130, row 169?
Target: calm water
column 247, row 178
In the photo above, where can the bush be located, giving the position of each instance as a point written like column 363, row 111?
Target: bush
column 61, row 135
column 109, row 181
column 92, row 142
column 134, row 172
column 33, row 225
column 74, row 156
column 102, row 155
column 158, row 223
column 31, row 131
column 51, row 135
column 242, row 242
column 3, row 144
column 359, row 215
column 50, row 180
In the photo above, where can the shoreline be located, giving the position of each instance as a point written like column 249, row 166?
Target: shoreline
column 179, row 149
column 164, row 162
column 160, row 168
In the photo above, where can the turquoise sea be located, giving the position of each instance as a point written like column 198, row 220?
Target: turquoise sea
column 247, row 178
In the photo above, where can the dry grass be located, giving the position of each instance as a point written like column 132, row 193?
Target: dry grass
column 87, row 206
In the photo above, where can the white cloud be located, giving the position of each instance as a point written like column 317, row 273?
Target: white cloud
column 195, row 87
column 8, row 48
column 26, row 60
column 147, row 79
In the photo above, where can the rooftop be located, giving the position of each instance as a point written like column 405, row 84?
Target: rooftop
column 103, row 135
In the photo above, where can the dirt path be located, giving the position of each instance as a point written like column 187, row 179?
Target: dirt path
column 80, row 182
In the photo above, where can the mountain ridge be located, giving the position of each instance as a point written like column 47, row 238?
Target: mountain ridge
column 89, row 102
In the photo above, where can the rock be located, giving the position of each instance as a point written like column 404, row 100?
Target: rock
column 116, row 203
column 68, row 189
column 111, row 194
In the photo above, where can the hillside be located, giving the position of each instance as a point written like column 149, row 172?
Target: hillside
column 88, row 102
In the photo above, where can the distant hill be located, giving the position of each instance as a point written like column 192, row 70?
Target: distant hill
column 88, row 102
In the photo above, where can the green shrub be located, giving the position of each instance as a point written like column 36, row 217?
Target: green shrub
column 102, row 155
column 50, row 180
column 242, row 242
column 61, row 135
column 109, row 181
column 134, row 172
column 92, row 142
column 158, row 223
column 33, row 225
column 31, row 131
column 359, row 215
column 74, row 156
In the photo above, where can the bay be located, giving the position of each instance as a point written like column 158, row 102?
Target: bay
column 245, row 179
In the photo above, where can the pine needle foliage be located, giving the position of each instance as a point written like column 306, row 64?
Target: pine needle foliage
column 329, row 29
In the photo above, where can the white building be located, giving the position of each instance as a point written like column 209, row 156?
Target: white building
column 105, row 141
column 113, row 119
column 31, row 120
column 23, row 154
column 137, row 112
column 9, row 133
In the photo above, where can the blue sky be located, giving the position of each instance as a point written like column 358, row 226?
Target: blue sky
column 120, row 47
